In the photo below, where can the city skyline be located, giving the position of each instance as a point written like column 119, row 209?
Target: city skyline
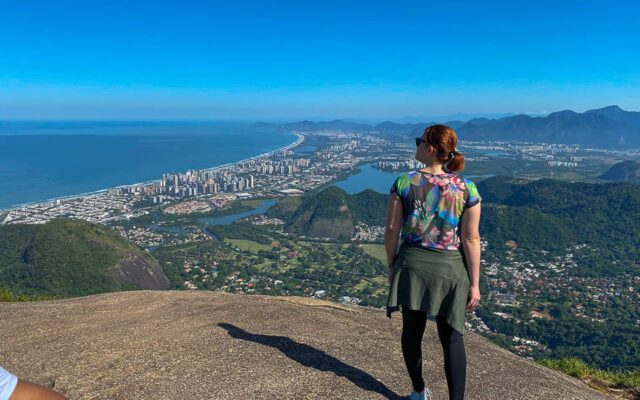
column 287, row 61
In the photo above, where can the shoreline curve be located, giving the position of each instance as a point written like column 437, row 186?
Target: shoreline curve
column 299, row 140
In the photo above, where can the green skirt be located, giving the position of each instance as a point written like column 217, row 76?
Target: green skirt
column 431, row 280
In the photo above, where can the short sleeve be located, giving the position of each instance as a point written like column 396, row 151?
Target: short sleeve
column 401, row 186
column 474, row 196
column 8, row 383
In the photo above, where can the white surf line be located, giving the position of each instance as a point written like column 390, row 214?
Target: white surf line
column 154, row 181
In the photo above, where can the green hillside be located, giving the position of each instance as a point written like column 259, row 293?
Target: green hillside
column 553, row 216
column 627, row 171
column 331, row 213
column 67, row 257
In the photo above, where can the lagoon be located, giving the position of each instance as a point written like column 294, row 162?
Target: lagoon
column 378, row 180
column 369, row 178
column 229, row 219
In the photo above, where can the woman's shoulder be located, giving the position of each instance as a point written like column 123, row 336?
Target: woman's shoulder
column 462, row 179
column 410, row 178
column 471, row 187
column 403, row 183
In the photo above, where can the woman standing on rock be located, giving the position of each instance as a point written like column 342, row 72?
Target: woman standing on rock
column 436, row 270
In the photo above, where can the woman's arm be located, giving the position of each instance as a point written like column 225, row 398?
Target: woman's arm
column 392, row 230
column 30, row 391
column 470, row 240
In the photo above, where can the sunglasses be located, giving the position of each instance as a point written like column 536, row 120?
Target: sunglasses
column 419, row 141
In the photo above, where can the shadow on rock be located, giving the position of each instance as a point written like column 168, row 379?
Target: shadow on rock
column 311, row 357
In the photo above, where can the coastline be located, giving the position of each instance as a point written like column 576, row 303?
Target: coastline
column 299, row 140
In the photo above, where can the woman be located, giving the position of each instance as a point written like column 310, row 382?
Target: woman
column 436, row 269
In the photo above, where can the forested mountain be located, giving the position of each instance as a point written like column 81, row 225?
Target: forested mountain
column 566, row 127
column 616, row 113
column 331, row 213
column 559, row 214
column 626, row 171
column 67, row 257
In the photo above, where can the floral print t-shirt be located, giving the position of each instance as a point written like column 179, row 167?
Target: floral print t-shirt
column 432, row 207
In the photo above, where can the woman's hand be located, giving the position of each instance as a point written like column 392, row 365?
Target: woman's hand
column 392, row 230
column 474, row 298
column 390, row 274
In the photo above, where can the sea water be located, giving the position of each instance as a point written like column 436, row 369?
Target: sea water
column 41, row 161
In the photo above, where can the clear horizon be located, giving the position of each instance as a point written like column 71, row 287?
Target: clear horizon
column 288, row 61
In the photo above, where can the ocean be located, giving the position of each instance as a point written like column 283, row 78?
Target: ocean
column 40, row 161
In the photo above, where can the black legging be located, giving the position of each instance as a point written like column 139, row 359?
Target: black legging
column 455, row 360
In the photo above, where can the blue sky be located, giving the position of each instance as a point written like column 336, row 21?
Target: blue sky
column 290, row 60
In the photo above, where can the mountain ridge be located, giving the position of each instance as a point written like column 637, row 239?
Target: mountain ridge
column 610, row 127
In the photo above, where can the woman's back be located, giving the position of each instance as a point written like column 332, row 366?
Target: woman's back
column 433, row 205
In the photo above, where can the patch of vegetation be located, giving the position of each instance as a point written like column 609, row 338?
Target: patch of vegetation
column 628, row 171
column 62, row 258
column 629, row 381
column 7, row 296
column 331, row 213
column 141, row 204
column 375, row 250
column 285, row 207
column 556, row 215
column 300, row 267
column 247, row 245
column 241, row 231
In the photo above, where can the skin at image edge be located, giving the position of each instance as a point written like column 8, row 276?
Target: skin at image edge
column 30, row 391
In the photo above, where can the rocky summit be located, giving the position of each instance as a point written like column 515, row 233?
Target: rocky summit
column 214, row 345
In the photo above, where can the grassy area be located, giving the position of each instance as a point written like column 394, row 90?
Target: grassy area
column 380, row 291
column 7, row 296
column 364, row 283
column 605, row 381
column 572, row 176
column 246, row 245
column 375, row 250
column 255, row 203
column 264, row 267
column 381, row 280
column 179, row 248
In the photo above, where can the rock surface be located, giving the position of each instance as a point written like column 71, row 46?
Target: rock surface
column 140, row 270
column 213, row 345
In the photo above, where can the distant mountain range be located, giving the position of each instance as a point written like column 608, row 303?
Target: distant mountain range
column 608, row 127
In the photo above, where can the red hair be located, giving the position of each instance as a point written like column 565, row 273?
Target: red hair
column 445, row 140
